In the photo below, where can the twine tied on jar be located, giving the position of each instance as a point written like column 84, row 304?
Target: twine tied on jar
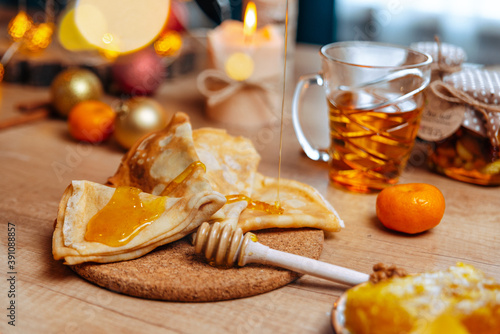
column 461, row 118
column 447, row 58
column 479, row 91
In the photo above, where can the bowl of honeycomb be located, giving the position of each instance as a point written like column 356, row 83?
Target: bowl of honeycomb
column 459, row 300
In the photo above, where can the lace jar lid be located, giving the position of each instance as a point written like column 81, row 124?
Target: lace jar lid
column 479, row 90
column 446, row 57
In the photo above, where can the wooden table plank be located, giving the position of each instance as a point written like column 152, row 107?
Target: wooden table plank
column 37, row 162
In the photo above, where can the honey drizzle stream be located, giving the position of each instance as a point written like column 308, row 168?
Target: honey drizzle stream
column 278, row 203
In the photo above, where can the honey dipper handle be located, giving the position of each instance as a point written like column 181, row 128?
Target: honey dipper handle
column 255, row 252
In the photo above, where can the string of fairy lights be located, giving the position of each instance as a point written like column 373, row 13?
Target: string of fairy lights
column 32, row 38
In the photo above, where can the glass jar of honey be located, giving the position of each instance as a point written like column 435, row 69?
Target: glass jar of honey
column 461, row 120
column 472, row 152
column 468, row 157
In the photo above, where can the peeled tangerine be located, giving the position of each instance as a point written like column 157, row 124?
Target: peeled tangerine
column 459, row 300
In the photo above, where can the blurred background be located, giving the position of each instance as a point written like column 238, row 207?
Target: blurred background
column 473, row 25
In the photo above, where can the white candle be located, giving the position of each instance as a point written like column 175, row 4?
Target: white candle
column 243, row 86
column 254, row 57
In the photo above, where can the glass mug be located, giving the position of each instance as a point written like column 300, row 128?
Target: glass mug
column 374, row 96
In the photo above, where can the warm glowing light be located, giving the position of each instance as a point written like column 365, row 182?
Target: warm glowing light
column 69, row 35
column 109, row 54
column 39, row 37
column 239, row 66
column 107, row 38
column 2, row 72
column 34, row 37
column 169, row 44
column 19, row 25
column 250, row 20
column 132, row 24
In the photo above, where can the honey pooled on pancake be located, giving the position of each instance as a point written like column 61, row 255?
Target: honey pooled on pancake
column 123, row 217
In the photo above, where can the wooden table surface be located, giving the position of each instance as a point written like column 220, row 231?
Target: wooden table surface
column 38, row 160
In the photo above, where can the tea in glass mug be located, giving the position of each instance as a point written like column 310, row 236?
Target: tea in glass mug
column 374, row 97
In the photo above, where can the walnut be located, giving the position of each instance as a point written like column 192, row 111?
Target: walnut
column 382, row 272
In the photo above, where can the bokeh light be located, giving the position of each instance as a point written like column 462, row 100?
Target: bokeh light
column 121, row 25
column 169, row 44
column 19, row 25
column 39, row 37
column 69, row 35
column 239, row 66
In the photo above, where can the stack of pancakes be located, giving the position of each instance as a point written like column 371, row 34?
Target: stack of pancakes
column 154, row 165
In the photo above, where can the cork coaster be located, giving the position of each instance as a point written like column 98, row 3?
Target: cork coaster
column 175, row 273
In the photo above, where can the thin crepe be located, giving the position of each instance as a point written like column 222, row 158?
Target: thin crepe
column 232, row 169
column 303, row 206
column 231, row 164
column 158, row 159
column 152, row 165
column 83, row 199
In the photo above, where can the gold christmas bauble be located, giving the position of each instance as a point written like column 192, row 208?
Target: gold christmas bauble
column 137, row 117
column 73, row 86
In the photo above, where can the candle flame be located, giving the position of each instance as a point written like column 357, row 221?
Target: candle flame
column 250, row 20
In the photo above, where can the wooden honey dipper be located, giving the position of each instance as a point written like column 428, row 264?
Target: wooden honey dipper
column 226, row 246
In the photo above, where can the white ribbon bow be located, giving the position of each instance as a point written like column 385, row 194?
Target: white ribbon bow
column 217, row 86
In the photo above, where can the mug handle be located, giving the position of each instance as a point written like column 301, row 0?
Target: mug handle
column 304, row 83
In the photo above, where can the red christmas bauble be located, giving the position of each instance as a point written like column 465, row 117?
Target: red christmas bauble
column 138, row 73
column 178, row 17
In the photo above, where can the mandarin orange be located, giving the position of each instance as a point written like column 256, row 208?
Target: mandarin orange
column 410, row 208
column 91, row 121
